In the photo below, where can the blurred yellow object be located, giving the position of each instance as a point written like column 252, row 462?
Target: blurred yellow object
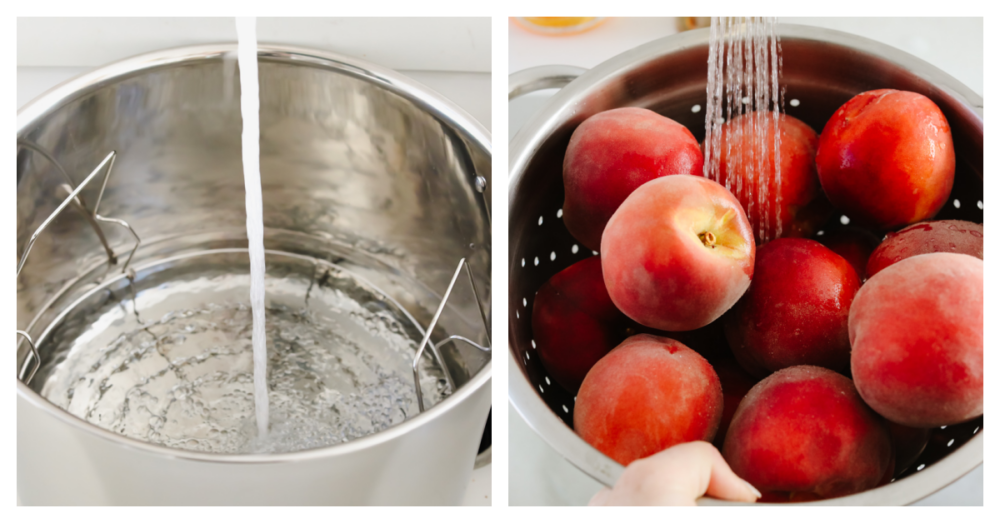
column 686, row 23
column 559, row 25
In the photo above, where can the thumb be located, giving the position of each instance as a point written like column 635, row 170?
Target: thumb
column 725, row 484
column 601, row 498
column 678, row 476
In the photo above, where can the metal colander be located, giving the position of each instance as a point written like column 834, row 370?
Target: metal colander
column 822, row 70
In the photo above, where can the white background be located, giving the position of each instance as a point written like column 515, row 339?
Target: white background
column 450, row 55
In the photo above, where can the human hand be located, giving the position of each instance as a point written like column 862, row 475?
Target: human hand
column 678, row 476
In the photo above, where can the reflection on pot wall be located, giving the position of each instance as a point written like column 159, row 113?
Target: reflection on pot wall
column 359, row 168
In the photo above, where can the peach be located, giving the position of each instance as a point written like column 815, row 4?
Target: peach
column 574, row 323
column 678, row 253
column 854, row 244
column 646, row 395
column 610, row 155
column 796, row 207
column 736, row 383
column 805, row 432
column 796, row 310
column 886, row 158
column 916, row 332
column 927, row 237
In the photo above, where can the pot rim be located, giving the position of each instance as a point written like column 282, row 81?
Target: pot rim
column 413, row 91
column 562, row 105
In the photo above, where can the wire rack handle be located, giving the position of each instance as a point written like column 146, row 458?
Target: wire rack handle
column 73, row 198
column 463, row 263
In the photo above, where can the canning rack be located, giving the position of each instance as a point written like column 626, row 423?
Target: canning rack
column 463, row 263
column 25, row 373
column 73, row 197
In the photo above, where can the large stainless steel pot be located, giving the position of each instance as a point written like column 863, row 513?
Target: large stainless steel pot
column 360, row 166
column 822, row 70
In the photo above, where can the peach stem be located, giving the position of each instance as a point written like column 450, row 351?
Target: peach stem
column 708, row 239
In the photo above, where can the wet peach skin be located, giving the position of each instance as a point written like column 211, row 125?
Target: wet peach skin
column 610, row 155
column 916, row 331
column 926, row 237
column 574, row 323
column 802, row 208
column 795, row 312
column 886, row 158
column 646, row 395
column 678, row 253
column 804, row 433
column 854, row 244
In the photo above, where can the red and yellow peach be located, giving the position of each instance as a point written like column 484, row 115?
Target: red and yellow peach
column 646, row 395
column 795, row 205
column 916, row 331
column 805, row 433
column 574, row 323
column 610, row 155
column 678, row 253
column 796, row 310
column 886, row 158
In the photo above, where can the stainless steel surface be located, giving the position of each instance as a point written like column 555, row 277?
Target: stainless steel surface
column 162, row 355
column 78, row 201
column 822, row 69
column 462, row 264
column 73, row 198
column 360, row 166
column 542, row 77
column 24, row 374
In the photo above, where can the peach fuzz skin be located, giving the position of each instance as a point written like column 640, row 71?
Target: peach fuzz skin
column 916, row 333
column 678, row 253
column 796, row 310
column 574, row 323
column 886, row 158
column 957, row 236
column 646, row 395
column 803, row 206
column 804, row 433
column 610, row 155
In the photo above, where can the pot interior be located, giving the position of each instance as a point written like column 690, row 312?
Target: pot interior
column 370, row 200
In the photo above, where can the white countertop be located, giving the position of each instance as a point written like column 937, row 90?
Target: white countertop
column 538, row 475
column 413, row 43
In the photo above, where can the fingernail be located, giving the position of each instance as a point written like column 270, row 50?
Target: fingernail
column 598, row 499
column 751, row 488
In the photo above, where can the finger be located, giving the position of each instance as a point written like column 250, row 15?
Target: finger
column 676, row 476
column 679, row 476
column 601, row 498
column 725, row 484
